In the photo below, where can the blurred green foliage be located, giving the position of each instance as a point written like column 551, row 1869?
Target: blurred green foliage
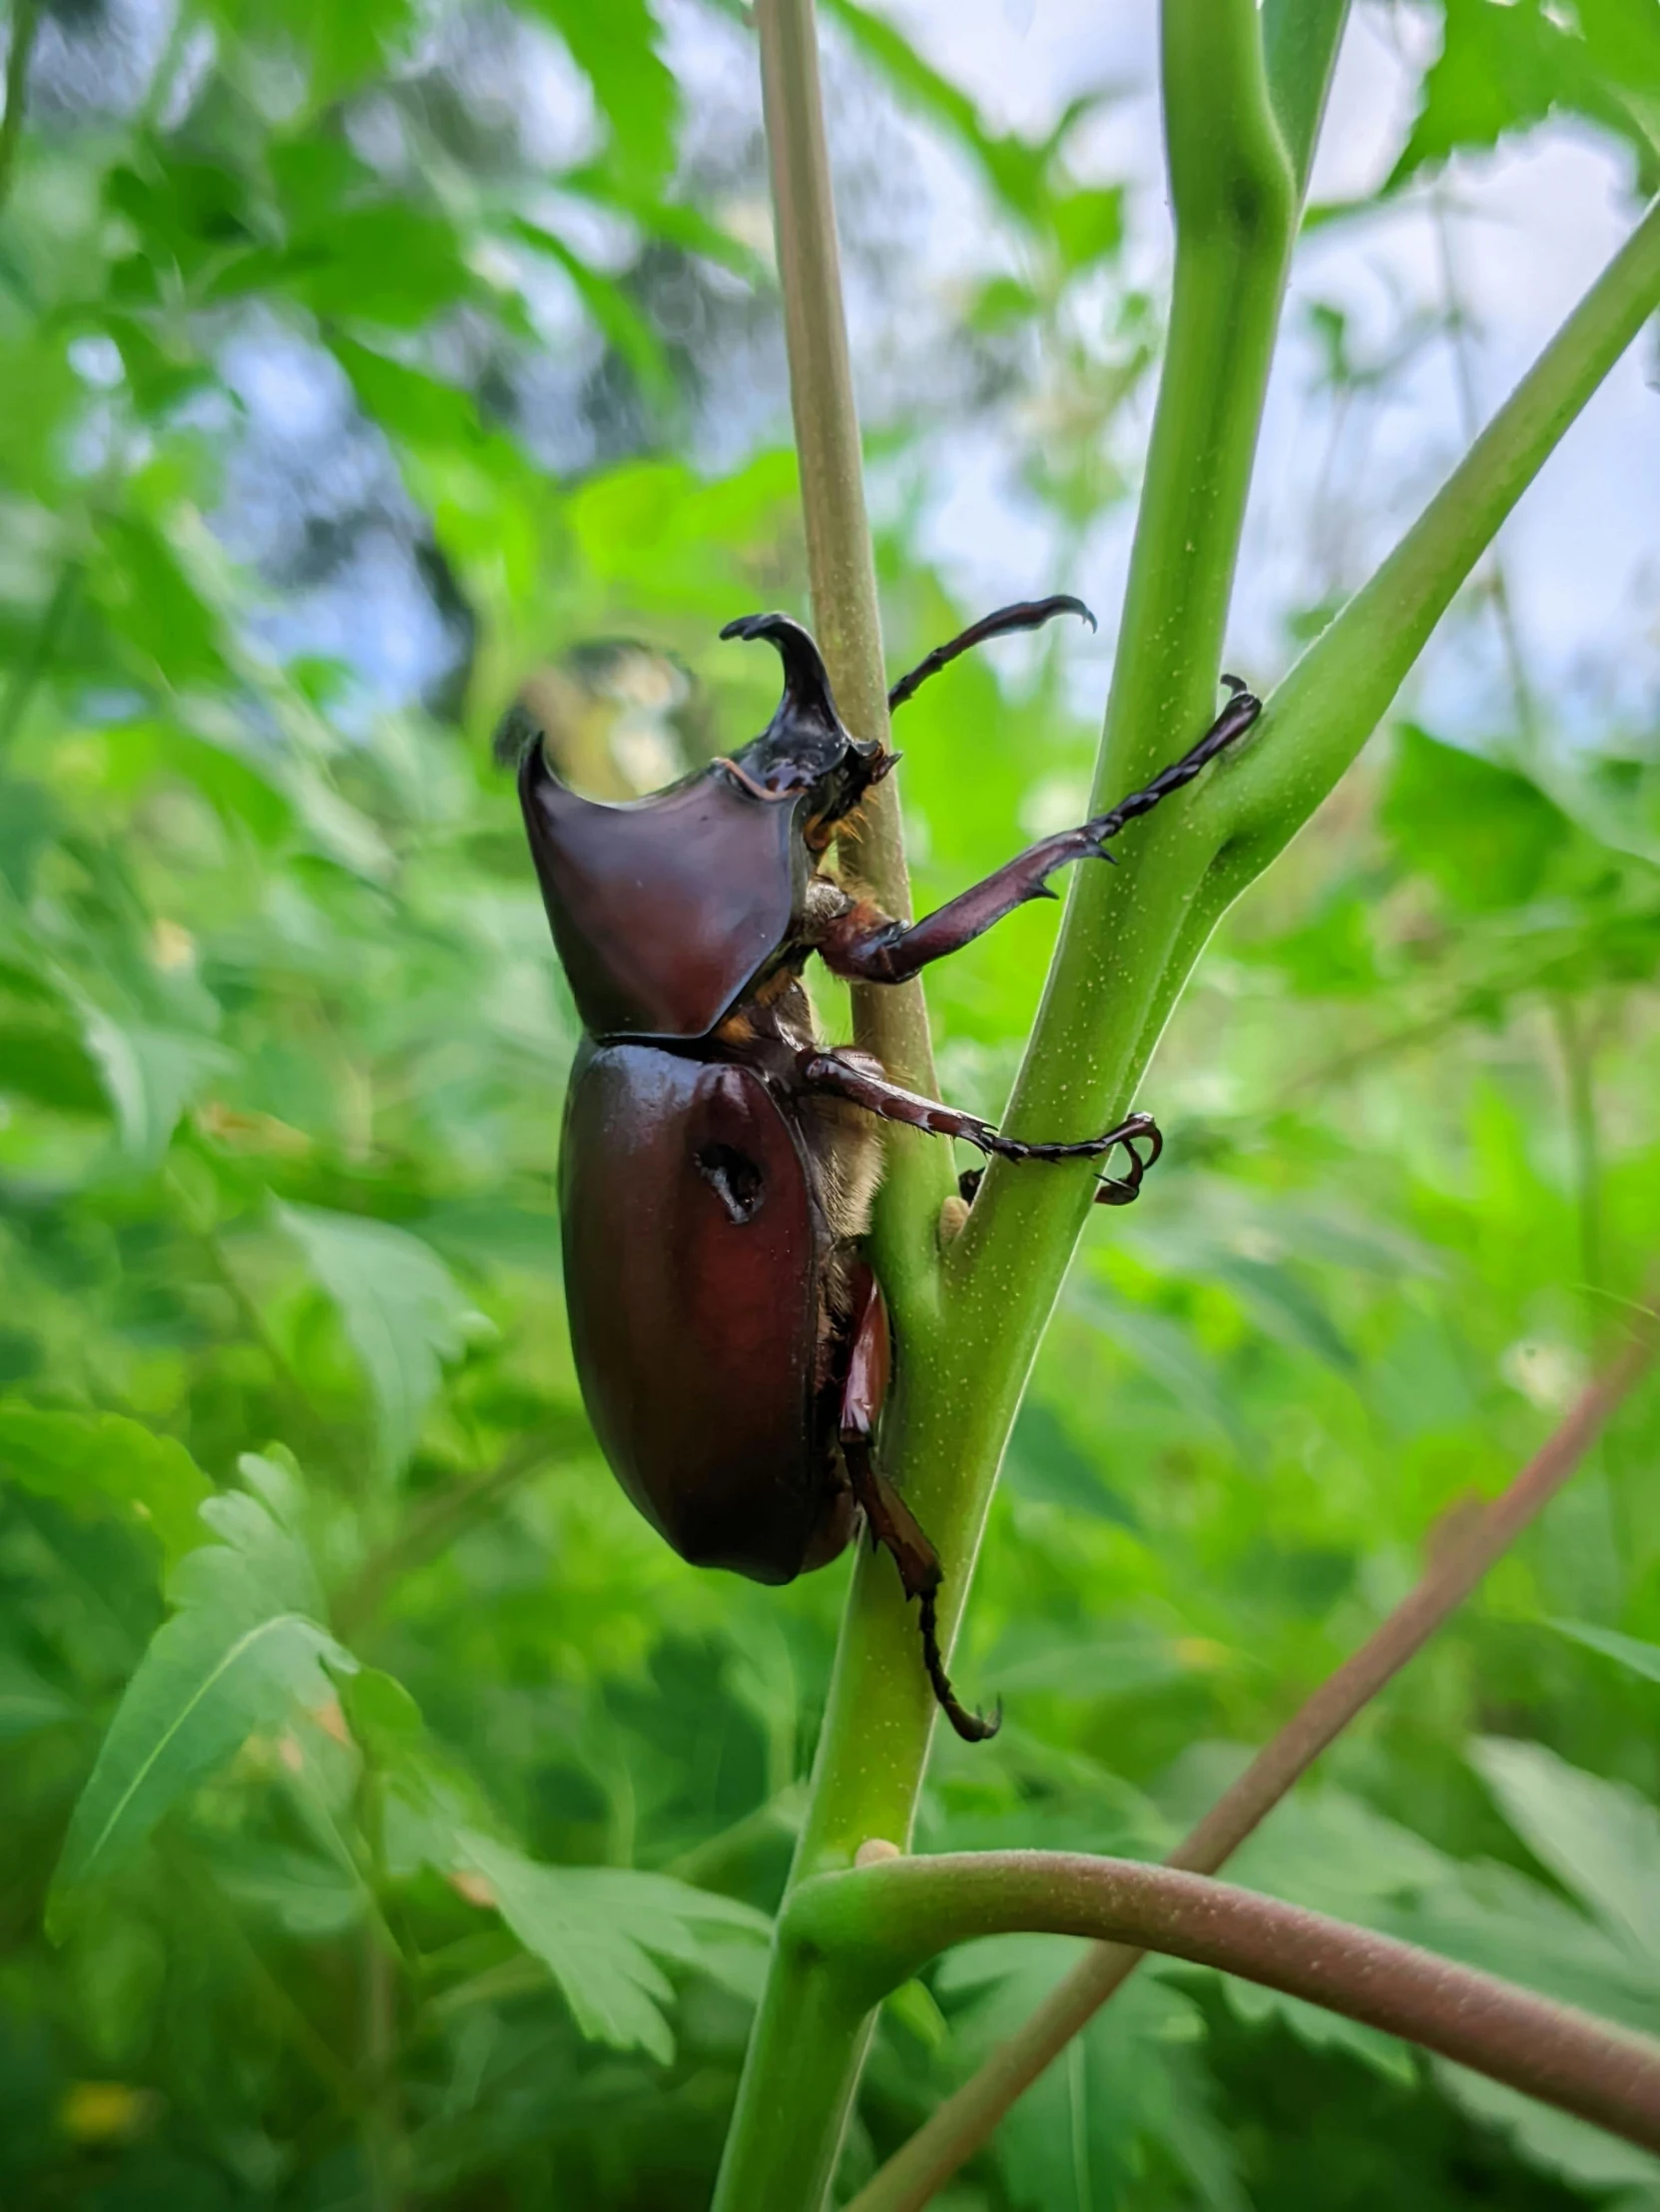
column 389, row 1818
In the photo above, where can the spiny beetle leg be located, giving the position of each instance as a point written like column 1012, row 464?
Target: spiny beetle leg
column 889, row 1519
column 1232, row 722
column 869, row 946
column 858, row 1078
column 1025, row 614
column 896, row 1527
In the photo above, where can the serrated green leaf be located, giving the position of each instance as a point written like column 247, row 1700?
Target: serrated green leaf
column 1599, row 1837
column 151, row 1075
column 600, row 1932
column 399, row 1306
column 1075, row 2141
column 244, row 1646
column 151, row 1481
column 1323, row 2030
column 1505, row 64
column 1584, row 2155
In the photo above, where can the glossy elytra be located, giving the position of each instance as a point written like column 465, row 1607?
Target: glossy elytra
column 719, row 1160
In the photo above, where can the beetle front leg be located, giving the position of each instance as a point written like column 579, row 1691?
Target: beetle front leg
column 858, row 1078
column 869, row 946
column 889, row 1519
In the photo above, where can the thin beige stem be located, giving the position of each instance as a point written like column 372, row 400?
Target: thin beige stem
column 892, row 1022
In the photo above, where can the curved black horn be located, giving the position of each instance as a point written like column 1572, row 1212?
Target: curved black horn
column 805, row 685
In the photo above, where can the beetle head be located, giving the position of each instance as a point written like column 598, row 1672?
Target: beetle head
column 806, row 748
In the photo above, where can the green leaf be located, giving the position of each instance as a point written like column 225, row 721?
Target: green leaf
column 618, row 319
column 1088, row 223
column 244, row 1646
column 1075, row 2141
column 1505, row 64
column 401, row 1308
column 386, row 263
column 615, row 47
column 599, row 1930
column 1582, row 2154
column 1016, row 170
column 27, row 1702
column 1045, row 1464
column 1323, row 2030
column 1599, row 1837
column 1484, row 833
column 75, row 1457
column 170, row 633
column 1160, row 1345
column 1643, row 1659
column 151, row 1076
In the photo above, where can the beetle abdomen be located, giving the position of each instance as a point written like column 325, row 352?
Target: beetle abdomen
column 692, row 1273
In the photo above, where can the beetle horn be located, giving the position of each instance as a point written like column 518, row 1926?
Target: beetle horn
column 806, row 692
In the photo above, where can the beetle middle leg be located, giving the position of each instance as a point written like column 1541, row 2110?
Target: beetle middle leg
column 869, row 946
column 858, row 1078
column 889, row 1519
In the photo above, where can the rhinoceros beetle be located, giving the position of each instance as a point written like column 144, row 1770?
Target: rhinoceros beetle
column 718, row 1161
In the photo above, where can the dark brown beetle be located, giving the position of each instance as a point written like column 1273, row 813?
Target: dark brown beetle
column 719, row 1161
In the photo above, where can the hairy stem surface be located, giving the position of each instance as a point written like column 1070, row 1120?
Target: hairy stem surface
column 969, row 2118
column 885, row 1921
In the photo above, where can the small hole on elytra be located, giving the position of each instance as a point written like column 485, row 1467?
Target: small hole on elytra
column 735, row 1178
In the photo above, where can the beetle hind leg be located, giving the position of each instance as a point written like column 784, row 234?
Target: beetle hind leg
column 896, row 1529
column 889, row 1519
column 858, row 1080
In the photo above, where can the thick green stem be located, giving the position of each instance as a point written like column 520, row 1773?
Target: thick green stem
column 961, row 1370
column 1338, row 692
column 885, row 1921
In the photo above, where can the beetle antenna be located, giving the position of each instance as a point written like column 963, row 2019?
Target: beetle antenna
column 1025, row 614
column 807, row 689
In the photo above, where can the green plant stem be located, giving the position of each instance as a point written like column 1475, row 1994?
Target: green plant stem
column 884, row 1923
column 877, row 1657
column 960, row 1372
column 1576, row 1050
column 968, row 2118
column 1338, row 692
column 1301, row 39
column 24, row 26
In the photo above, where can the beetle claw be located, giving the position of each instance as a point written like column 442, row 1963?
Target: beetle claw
column 973, row 1728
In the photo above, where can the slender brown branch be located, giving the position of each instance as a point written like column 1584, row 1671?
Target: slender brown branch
column 968, row 2118
column 890, row 1918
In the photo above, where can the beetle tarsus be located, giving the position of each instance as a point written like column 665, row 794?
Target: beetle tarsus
column 1232, row 722
column 973, row 1728
column 858, row 1078
column 1025, row 614
column 896, row 1529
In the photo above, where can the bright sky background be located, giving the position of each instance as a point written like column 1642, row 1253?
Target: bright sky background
column 1528, row 229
